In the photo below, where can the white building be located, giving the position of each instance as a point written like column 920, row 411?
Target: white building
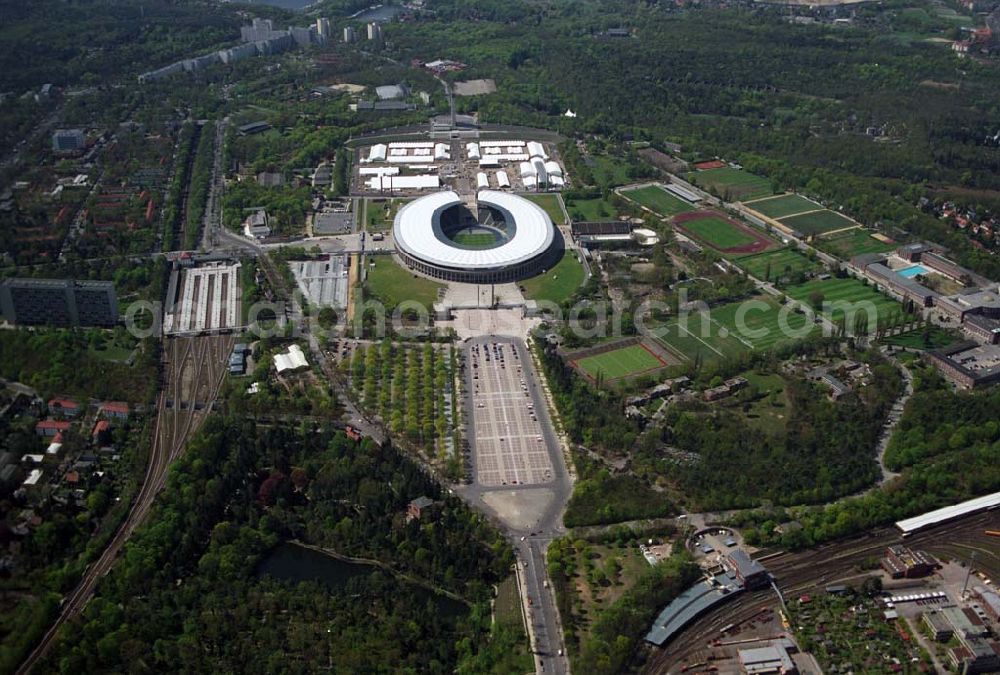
column 323, row 29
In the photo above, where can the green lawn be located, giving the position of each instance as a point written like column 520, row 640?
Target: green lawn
column 852, row 291
column 717, row 232
column 608, row 171
column 732, row 184
column 818, row 222
column 655, row 198
column 772, row 265
column 622, row 362
column 392, row 284
column 591, row 210
column 785, row 205
column 854, row 242
column 931, row 338
column 559, row 283
column 763, row 324
column 550, row 203
column 699, row 339
column 379, row 213
column 475, row 239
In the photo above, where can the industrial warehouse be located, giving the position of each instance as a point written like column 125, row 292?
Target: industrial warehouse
column 495, row 237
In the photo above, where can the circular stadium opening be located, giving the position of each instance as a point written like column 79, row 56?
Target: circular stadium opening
column 487, row 228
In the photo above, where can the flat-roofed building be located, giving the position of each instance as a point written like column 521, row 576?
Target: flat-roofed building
column 59, row 302
column 901, row 562
column 764, row 660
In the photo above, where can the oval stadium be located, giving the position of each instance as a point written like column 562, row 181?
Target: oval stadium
column 495, row 237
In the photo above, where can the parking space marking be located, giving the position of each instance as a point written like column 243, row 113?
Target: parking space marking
column 509, row 445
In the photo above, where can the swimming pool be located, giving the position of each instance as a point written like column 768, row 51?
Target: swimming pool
column 912, row 271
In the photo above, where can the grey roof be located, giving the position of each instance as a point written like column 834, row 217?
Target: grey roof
column 421, row 502
column 685, row 608
column 746, row 565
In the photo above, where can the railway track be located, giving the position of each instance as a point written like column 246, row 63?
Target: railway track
column 796, row 573
column 194, row 370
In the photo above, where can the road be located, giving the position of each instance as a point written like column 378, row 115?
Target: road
column 538, row 521
column 194, row 370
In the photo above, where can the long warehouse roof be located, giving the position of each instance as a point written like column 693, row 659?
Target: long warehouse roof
column 417, row 231
column 949, row 512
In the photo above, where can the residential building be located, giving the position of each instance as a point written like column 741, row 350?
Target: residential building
column 59, row 302
column 50, row 427
column 69, row 140
column 118, row 410
column 417, row 507
column 375, row 31
column 350, row 35
column 323, row 29
column 64, row 406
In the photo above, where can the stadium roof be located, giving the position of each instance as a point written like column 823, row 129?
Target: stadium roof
column 417, row 231
column 948, row 512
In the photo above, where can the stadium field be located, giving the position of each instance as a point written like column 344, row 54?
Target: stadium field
column 817, row 222
column 852, row 291
column 619, row 363
column 475, row 239
column 658, row 200
column 783, row 206
column 732, row 184
column 846, row 245
column 723, row 234
column 772, row 265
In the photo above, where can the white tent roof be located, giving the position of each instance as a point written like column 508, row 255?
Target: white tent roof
column 293, row 360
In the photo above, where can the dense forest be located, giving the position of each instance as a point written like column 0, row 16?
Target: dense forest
column 826, row 451
column 935, row 471
column 187, row 595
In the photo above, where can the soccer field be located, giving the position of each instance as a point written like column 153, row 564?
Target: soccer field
column 782, row 206
column 714, row 230
column 852, row 291
column 846, row 245
column 619, row 363
column 818, row 222
column 655, row 198
column 698, row 338
column 732, row 184
column 772, row 265
column 475, row 239
column 764, row 323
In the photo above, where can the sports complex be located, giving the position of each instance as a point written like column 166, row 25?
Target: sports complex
column 494, row 238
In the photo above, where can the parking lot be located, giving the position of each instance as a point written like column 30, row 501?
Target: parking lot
column 509, row 442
